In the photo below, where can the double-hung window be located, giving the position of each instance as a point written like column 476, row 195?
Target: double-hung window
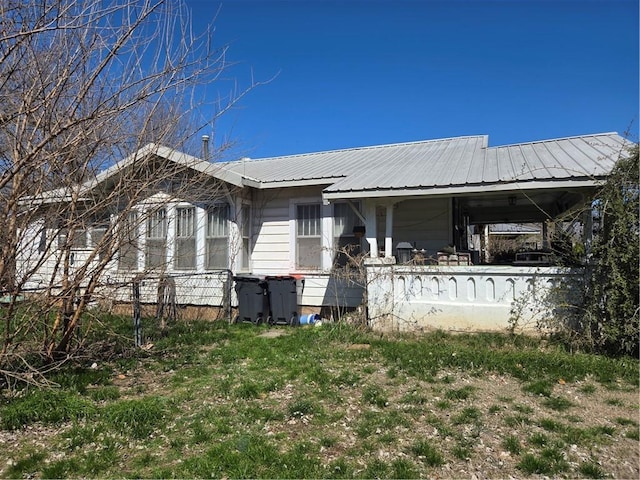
column 156, row 239
column 345, row 243
column 217, row 238
column 246, row 236
column 128, row 243
column 74, row 238
column 308, row 236
column 97, row 233
column 185, row 246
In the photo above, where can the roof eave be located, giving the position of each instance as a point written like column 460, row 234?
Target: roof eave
column 308, row 182
column 461, row 189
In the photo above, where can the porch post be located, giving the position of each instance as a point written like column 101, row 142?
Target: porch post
column 485, row 250
column 388, row 236
column 370, row 227
column 545, row 235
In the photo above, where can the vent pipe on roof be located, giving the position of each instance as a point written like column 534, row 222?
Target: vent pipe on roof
column 205, row 147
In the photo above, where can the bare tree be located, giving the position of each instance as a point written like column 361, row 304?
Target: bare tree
column 84, row 84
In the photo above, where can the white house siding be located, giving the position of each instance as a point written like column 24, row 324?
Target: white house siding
column 461, row 298
column 274, row 243
column 270, row 255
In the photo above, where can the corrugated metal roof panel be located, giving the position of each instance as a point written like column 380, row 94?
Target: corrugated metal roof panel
column 439, row 163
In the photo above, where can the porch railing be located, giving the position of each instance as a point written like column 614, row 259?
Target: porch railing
column 462, row 298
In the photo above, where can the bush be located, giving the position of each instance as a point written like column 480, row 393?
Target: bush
column 612, row 295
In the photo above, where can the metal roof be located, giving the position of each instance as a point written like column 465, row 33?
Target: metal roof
column 452, row 165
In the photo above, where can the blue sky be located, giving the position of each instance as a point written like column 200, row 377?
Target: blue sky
column 356, row 73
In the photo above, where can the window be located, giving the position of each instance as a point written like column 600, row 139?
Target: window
column 156, row 240
column 128, row 251
column 217, row 238
column 246, row 236
column 345, row 243
column 185, row 247
column 96, row 235
column 308, row 237
column 79, row 240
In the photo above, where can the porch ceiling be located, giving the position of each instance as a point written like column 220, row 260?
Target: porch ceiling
column 521, row 206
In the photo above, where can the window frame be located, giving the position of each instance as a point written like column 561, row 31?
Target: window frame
column 325, row 231
column 211, row 237
column 157, row 240
column 132, row 243
column 179, row 237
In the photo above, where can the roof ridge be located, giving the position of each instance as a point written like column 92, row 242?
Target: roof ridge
column 366, row 147
column 555, row 139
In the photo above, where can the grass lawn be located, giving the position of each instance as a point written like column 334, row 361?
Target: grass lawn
column 239, row 401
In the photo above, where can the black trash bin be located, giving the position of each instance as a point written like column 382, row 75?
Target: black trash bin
column 283, row 299
column 253, row 300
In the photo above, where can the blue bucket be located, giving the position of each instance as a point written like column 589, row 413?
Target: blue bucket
column 309, row 319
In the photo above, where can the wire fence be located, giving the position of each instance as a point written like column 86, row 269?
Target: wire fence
column 168, row 296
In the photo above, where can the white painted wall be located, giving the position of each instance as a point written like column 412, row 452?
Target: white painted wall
column 475, row 298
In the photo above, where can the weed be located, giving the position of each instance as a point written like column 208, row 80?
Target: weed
column 380, row 423
column 414, row 398
column 587, row 389
column 591, row 469
column 27, row 466
column 339, row 469
column 462, row 451
column 374, row 395
column 516, row 421
column 538, row 439
column 493, row 409
column 467, row 415
column 550, row 462
column 512, row 445
column 136, row 417
column 403, row 468
column 551, row 425
column 540, row 387
column 303, row 407
column 559, row 404
column 45, row 406
column 80, row 435
column 101, row 394
column 625, row 421
column 328, row 441
column 459, row 394
column 447, row 379
column 633, row 434
column 427, row 453
column 526, row 409
column 443, row 404
column 376, row 469
column 347, row 378
column 247, row 390
column 616, row 402
column 61, row 468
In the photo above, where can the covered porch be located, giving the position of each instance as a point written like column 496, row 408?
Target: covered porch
column 432, row 266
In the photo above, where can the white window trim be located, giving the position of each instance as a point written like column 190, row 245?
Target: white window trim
column 230, row 237
column 326, row 233
column 174, row 212
column 244, row 209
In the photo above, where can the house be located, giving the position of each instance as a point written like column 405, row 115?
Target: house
column 304, row 214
